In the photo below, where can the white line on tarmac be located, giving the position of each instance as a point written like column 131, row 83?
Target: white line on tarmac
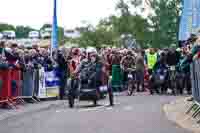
column 91, row 109
column 128, row 108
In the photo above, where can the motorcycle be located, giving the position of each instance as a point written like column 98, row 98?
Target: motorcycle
column 86, row 89
column 172, row 77
column 159, row 81
column 131, row 81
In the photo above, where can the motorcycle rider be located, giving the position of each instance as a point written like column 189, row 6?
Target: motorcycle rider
column 172, row 59
column 75, row 61
column 128, row 64
column 161, row 67
column 86, row 63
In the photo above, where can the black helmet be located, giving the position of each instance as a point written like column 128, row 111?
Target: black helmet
column 129, row 52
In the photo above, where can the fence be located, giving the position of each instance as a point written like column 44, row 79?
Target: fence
column 195, row 78
column 16, row 85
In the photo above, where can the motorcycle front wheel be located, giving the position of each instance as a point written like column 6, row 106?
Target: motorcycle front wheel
column 71, row 101
column 130, row 89
column 111, row 99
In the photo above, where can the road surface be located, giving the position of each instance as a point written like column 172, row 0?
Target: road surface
column 136, row 114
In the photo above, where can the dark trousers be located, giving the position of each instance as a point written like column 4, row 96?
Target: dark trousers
column 187, row 83
column 140, row 79
column 63, row 81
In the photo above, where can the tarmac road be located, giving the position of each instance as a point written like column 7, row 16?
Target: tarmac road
column 136, row 114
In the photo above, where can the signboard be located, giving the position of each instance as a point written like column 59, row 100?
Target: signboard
column 190, row 19
column 52, row 83
column 42, row 88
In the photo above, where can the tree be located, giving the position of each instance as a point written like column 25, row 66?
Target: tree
column 23, row 31
column 98, row 36
column 4, row 27
column 60, row 32
column 130, row 23
column 165, row 22
column 46, row 26
column 60, row 35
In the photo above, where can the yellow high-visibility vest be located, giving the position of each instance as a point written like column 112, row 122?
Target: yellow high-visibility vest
column 151, row 60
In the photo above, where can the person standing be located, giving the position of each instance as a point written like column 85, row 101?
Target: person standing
column 140, row 67
column 63, row 67
column 151, row 58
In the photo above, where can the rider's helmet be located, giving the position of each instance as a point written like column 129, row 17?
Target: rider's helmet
column 178, row 49
column 129, row 53
column 76, row 51
column 91, row 50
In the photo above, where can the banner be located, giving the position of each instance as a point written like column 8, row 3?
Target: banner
column 190, row 19
column 52, row 83
column 42, row 88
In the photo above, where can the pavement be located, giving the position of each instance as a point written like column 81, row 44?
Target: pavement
column 175, row 111
column 137, row 114
column 28, row 109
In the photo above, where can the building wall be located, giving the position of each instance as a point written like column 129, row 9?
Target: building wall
column 190, row 19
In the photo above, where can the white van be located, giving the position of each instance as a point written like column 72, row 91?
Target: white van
column 34, row 35
column 9, row 34
column 46, row 33
column 1, row 36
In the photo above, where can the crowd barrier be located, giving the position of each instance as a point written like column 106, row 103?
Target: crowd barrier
column 10, row 86
column 34, row 84
column 195, row 78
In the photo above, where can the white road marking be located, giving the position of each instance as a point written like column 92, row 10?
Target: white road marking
column 128, row 108
column 109, row 108
column 91, row 109
column 58, row 111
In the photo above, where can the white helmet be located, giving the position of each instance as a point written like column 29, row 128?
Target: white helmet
column 8, row 49
column 91, row 50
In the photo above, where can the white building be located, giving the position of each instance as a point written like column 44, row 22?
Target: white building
column 72, row 33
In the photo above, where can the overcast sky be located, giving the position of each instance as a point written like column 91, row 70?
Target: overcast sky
column 70, row 12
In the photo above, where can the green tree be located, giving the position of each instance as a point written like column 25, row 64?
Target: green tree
column 4, row 27
column 165, row 22
column 98, row 36
column 60, row 32
column 23, row 31
column 130, row 22
column 45, row 26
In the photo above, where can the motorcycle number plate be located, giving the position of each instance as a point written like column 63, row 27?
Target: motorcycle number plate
column 172, row 68
column 162, row 77
column 130, row 76
column 103, row 88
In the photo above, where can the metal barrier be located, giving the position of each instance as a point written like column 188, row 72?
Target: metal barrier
column 10, row 87
column 17, row 86
column 28, row 84
column 195, row 78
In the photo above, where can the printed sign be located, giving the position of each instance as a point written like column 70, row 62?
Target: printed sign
column 52, row 82
column 42, row 88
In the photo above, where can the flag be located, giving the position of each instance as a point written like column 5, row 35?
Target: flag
column 54, row 41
